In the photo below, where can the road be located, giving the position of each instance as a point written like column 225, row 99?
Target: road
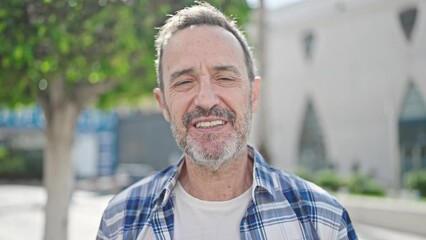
column 21, row 216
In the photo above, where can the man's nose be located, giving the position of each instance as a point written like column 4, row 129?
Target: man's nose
column 206, row 97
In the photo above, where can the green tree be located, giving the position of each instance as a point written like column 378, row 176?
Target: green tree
column 68, row 54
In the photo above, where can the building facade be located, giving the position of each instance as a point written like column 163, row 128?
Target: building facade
column 345, row 86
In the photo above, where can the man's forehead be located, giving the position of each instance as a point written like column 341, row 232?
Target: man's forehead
column 199, row 33
column 203, row 41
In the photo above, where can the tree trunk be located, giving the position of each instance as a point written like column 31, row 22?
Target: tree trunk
column 62, row 105
column 59, row 170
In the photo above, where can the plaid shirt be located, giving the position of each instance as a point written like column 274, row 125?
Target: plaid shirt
column 283, row 207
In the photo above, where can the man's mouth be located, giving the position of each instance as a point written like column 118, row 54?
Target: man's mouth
column 209, row 124
column 213, row 119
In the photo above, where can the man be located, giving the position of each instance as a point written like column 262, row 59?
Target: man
column 221, row 188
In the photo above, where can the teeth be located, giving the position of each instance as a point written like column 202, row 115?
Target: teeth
column 209, row 124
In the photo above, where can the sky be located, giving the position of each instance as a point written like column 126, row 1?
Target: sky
column 272, row 3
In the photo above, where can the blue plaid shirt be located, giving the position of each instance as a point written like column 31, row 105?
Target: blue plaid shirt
column 283, row 207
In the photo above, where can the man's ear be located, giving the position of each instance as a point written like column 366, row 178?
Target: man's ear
column 255, row 94
column 159, row 96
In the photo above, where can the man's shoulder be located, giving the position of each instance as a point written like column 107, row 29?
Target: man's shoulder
column 296, row 190
column 141, row 195
column 129, row 211
column 303, row 191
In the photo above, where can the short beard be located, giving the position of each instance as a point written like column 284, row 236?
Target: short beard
column 226, row 151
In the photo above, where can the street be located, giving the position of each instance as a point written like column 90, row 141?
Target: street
column 21, row 216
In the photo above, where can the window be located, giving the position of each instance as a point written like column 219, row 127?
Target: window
column 312, row 153
column 407, row 18
column 412, row 131
column 308, row 45
column 423, row 157
column 413, row 106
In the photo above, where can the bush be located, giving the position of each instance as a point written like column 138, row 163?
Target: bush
column 328, row 179
column 363, row 184
column 416, row 180
column 20, row 164
column 10, row 164
column 305, row 174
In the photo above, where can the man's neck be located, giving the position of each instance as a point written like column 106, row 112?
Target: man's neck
column 229, row 182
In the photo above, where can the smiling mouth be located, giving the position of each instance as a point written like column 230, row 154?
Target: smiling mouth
column 209, row 124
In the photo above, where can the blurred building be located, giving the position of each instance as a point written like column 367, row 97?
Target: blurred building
column 345, row 86
column 22, row 140
column 146, row 144
column 106, row 143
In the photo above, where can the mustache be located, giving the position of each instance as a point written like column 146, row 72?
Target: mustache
column 215, row 112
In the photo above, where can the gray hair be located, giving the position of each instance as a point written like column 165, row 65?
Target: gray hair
column 199, row 14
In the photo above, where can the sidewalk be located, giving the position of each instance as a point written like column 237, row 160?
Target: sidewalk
column 399, row 214
column 22, row 213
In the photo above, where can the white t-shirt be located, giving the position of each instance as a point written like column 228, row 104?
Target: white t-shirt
column 202, row 220
column 205, row 220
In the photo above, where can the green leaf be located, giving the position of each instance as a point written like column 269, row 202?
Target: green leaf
column 45, row 66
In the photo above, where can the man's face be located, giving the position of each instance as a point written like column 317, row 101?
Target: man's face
column 207, row 97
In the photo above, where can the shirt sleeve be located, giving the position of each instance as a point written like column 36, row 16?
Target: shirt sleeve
column 346, row 231
column 103, row 232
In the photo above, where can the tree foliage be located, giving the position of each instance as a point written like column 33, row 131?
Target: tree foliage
column 86, row 42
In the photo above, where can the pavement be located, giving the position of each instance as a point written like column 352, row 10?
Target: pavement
column 22, row 213
column 370, row 232
column 22, row 217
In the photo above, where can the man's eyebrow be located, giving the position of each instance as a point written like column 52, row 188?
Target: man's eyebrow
column 229, row 68
column 179, row 73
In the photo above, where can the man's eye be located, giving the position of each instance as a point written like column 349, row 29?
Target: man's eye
column 181, row 83
column 225, row 79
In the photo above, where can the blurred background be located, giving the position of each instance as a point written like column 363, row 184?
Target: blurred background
column 343, row 105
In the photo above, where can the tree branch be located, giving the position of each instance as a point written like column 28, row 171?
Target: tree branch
column 84, row 92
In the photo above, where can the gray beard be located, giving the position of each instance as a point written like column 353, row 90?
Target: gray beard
column 226, row 152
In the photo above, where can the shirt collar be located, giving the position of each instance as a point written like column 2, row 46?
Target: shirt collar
column 263, row 182
column 171, row 178
column 262, row 179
